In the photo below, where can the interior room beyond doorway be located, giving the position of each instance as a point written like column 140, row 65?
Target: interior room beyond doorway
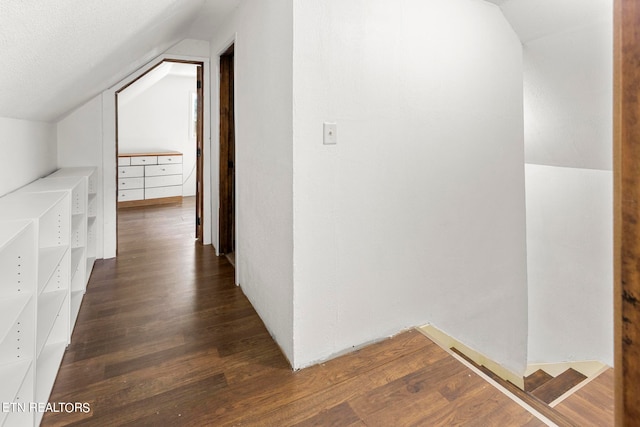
column 158, row 129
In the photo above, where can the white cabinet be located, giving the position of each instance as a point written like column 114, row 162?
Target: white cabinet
column 149, row 178
column 36, row 274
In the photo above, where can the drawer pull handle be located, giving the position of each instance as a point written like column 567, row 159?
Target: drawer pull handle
column 163, row 169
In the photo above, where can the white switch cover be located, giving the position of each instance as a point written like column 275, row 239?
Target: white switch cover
column 330, row 133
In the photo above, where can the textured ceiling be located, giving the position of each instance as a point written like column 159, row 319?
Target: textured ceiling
column 209, row 17
column 58, row 54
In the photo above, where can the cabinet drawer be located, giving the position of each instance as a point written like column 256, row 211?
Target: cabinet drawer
column 166, row 160
column 130, row 183
column 162, row 181
column 130, row 171
column 144, row 160
column 126, row 195
column 124, row 161
column 163, row 170
column 154, row 193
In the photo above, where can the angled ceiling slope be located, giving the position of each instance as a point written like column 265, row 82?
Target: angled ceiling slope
column 56, row 55
column 534, row 19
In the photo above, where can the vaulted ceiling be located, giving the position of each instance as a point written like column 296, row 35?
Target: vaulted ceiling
column 58, row 54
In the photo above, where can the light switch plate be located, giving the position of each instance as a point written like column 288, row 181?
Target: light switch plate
column 330, row 136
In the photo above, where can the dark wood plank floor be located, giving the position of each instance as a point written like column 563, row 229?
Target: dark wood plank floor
column 164, row 338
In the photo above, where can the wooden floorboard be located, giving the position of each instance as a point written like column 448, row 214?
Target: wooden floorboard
column 592, row 405
column 553, row 389
column 165, row 338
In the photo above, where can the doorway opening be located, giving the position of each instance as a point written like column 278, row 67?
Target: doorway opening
column 159, row 139
column 227, row 226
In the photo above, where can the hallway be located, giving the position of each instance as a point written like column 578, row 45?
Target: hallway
column 165, row 338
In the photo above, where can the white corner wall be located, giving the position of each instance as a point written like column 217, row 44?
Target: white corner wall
column 30, row 151
column 568, row 95
column 159, row 119
column 417, row 215
column 262, row 30
column 570, row 252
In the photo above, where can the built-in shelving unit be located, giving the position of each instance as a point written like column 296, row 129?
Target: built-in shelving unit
column 91, row 213
column 75, row 282
column 48, row 242
column 18, row 287
column 35, row 260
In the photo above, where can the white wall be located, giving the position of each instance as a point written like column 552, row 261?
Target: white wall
column 568, row 94
column 568, row 87
column 569, row 248
column 79, row 138
column 159, row 119
column 29, row 150
column 418, row 213
column 262, row 30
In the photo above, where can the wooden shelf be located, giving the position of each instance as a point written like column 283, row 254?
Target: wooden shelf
column 10, row 310
column 49, row 306
column 92, row 205
column 47, row 370
column 10, row 230
column 12, row 376
column 151, row 153
column 77, row 221
column 76, row 256
column 49, row 260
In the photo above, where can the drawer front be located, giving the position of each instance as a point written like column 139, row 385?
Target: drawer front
column 130, row 171
column 154, row 193
column 162, row 181
column 130, row 183
column 144, row 160
column 163, row 170
column 124, row 161
column 126, row 195
column 166, row 160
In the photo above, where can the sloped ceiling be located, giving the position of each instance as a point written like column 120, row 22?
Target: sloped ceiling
column 58, row 54
column 153, row 77
column 533, row 19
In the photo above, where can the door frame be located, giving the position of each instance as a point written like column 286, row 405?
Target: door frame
column 199, row 137
column 226, row 111
column 109, row 152
column 626, row 196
